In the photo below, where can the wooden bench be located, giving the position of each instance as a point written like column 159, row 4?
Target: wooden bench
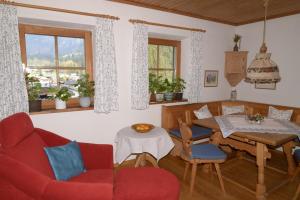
column 170, row 115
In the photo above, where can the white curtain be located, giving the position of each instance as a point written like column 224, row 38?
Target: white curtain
column 105, row 69
column 139, row 74
column 194, row 82
column 13, row 93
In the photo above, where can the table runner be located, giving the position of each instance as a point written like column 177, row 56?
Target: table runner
column 237, row 123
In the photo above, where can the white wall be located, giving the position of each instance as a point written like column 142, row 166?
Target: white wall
column 101, row 128
column 283, row 41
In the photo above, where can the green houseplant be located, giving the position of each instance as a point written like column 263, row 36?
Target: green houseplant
column 160, row 89
column 152, row 87
column 169, row 89
column 61, row 95
column 179, row 86
column 34, row 88
column 85, row 89
column 236, row 39
column 156, row 87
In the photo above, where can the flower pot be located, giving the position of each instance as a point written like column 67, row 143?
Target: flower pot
column 159, row 97
column 169, row 96
column 35, row 106
column 85, row 101
column 152, row 97
column 178, row 96
column 59, row 104
column 235, row 48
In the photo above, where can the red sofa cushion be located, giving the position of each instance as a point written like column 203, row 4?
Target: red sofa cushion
column 95, row 176
column 14, row 129
column 147, row 184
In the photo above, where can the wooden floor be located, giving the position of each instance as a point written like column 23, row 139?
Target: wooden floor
column 241, row 169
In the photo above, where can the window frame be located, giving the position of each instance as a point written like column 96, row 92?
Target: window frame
column 48, row 106
column 58, row 32
column 173, row 43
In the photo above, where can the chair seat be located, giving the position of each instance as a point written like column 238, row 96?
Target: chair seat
column 95, row 176
column 197, row 131
column 207, row 152
column 297, row 155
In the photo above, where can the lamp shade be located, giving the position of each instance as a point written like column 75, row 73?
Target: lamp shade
column 262, row 70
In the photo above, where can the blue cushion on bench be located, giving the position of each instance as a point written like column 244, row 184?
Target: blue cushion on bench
column 207, row 152
column 297, row 155
column 197, row 131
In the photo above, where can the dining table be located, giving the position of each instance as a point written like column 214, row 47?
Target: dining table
column 257, row 144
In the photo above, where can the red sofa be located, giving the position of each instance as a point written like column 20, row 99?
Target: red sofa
column 25, row 172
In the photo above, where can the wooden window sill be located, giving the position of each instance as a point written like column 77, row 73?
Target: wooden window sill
column 166, row 102
column 47, row 111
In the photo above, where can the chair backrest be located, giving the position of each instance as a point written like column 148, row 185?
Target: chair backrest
column 186, row 135
column 19, row 140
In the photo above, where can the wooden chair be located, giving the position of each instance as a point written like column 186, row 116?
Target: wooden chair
column 198, row 133
column 248, row 110
column 297, row 159
column 195, row 154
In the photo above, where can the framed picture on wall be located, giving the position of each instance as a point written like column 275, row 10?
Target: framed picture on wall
column 211, row 78
column 266, row 86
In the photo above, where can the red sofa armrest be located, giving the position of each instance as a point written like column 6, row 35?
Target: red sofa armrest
column 62, row 190
column 23, row 177
column 97, row 156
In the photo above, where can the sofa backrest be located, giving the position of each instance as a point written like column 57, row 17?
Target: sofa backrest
column 19, row 140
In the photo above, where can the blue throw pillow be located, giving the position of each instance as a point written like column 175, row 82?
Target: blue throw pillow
column 66, row 161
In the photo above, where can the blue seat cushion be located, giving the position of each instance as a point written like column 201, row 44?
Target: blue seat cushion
column 66, row 161
column 207, row 152
column 197, row 131
column 297, row 155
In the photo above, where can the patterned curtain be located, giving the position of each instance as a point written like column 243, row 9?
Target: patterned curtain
column 13, row 93
column 194, row 82
column 105, row 70
column 139, row 74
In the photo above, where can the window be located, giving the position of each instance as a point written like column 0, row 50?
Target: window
column 56, row 56
column 164, row 58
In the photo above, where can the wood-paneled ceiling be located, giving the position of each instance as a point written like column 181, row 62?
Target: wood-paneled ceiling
column 233, row 12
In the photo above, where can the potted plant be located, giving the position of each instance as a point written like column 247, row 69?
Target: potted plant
column 85, row 90
column 61, row 96
column 236, row 39
column 152, row 87
column 34, row 87
column 159, row 89
column 179, row 86
column 169, row 89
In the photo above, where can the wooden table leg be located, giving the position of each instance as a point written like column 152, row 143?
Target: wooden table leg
column 152, row 160
column 287, row 148
column 261, row 151
column 141, row 160
column 138, row 160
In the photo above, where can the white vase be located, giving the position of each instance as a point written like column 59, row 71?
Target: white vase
column 85, row 101
column 159, row 97
column 59, row 104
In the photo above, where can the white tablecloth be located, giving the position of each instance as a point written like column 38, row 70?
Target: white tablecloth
column 157, row 142
column 238, row 123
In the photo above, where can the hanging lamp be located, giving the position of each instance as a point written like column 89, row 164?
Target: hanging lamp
column 263, row 69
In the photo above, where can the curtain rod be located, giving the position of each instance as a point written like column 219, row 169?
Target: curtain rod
column 165, row 25
column 57, row 9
